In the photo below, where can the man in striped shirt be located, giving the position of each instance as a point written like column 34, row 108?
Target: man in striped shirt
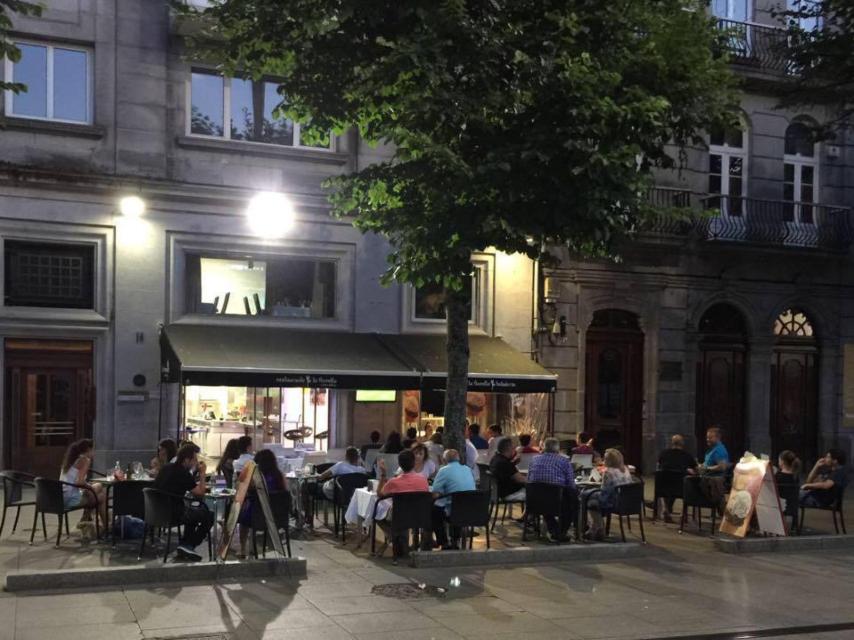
column 552, row 468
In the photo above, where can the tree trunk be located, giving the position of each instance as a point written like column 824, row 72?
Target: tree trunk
column 457, row 305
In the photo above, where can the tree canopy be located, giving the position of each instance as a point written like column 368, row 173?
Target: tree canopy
column 515, row 124
column 7, row 47
column 820, row 45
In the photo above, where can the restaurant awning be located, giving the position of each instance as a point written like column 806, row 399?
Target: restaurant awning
column 494, row 366
column 228, row 355
column 217, row 355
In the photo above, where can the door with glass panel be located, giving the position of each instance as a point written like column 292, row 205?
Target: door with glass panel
column 800, row 175
column 727, row 171
column 49, row 401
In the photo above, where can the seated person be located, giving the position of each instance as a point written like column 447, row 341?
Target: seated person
column 78, row 492
column 246, row 453
column 435, row 447
column 675, row 460
column 392, row 444
column 525, row 445
column 475, row 437
column 716, row 461
column 225, row 466
column 600, row 501
column 552, row 468
column 495, row 432
column 510, row 484
column 424, row 464
column 373, row 444
column 176, row 478
column 350, row 464
column 451, row 478
column 471, row 458
column 266, row 462
column 411, row 438
column 826, row 479
column 406, row 482
column 166, row 452
column 788, row 468
column 584, row 446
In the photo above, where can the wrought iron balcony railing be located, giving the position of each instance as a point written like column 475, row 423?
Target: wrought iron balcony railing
column 757, row 45
column 750, row 220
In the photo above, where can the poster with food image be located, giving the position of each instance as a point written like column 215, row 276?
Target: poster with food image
column 753, row 492
column 411, row 405
column 475, row 403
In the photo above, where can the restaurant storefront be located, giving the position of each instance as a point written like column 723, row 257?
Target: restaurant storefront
column 319, row 390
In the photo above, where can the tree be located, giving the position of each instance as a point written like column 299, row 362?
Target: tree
column 7, row 47
column 820, row 47
column 515, row 123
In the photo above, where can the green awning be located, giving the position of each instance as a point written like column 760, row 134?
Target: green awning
column 223, row 355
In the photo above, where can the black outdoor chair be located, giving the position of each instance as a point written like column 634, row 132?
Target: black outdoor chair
column 318, row 495
column 280, row 505
column 162, row 511
column 669, row 485
column 628, row 502
column 790, row 493
column 541, row 499
column 693, row 497
column 343, row 489
column 483, row 470
column 412, row 511
column 49, row 499
column 128, row 501
column 470, row 509
column 14, row 483
column 835, row 508
column 497, row 502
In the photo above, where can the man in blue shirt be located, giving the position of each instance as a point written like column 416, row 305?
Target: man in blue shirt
column 451, row 478
column 550, row 467
column 475, row 437
column 716, row 461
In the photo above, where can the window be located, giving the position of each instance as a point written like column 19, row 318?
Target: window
column 809, row 22
column 264, row 286
column 237, row 109
column 793, row 323
column 728, row 170
column 58, row 81
column 49, row 275
column 429, row 301
column 738, row 10
column 800, row 174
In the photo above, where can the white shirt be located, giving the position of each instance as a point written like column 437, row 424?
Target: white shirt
column 241, row 462
column 471, row 460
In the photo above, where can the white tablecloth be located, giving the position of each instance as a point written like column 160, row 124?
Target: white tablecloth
column 361, row 508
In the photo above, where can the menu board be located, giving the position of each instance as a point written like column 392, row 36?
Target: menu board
column 754, row 491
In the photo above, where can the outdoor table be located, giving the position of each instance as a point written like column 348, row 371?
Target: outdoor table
column 219, row 497
column 296, row 482
column 361, row 511
column 108, row 482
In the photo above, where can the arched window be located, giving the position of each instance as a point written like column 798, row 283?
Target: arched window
column 728, row 169
column 800, row 174
column 723, row 319
column 793, row 323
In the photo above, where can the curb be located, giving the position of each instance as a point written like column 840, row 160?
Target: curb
column 786, row 544
column 529, row 555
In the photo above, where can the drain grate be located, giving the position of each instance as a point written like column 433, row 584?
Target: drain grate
column 408, row 590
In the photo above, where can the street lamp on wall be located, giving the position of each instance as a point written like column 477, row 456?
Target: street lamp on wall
column 552, row 324
column 270, row 214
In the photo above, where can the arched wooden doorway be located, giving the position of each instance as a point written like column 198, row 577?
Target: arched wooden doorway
column 794, row 386
column 720, row 377
column 613, row 395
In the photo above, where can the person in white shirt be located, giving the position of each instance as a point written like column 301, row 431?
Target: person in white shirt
column 471, row 460
column 350, row 464
column 247, row 454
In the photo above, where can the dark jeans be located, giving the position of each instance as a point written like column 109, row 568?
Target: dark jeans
column 439, row 520
column 197, row 520
column 568, row 514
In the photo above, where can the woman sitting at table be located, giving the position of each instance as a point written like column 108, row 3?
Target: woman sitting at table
column 166, row 451
column 265, row 460
column 600, row 501
column 78, row 492
column 225, row 466
column 424, row 465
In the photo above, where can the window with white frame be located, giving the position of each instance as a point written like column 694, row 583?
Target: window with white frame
column 428, row 302
column 58, row 81
column 737, row 10
column 800, row 174
column 728, row 170
column 238, row 109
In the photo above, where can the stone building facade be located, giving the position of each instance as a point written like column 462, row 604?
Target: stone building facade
column 737, row 316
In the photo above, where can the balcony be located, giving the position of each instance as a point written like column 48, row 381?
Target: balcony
column 758, row 46
column 714, row 218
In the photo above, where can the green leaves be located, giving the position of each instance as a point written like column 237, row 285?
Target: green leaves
column 7, row 48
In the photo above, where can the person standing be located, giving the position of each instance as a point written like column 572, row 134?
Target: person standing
column 176, row 478
column 552, row 468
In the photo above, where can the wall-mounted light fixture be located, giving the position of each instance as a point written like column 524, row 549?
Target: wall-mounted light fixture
column 270, row 214
column 132, row 206
column 552, row 324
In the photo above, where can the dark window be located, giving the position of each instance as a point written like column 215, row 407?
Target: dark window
column 799, row 141
column 723, row 319
column 261, row 285
column 49, row 275
column 430, row 300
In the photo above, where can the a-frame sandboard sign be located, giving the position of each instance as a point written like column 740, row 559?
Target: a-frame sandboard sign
column 754, row 491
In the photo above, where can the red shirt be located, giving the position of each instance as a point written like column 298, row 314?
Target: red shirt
column 405, row 483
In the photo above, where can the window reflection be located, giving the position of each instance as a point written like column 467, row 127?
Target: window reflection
column 70, row 88
column 206, row 116
column 31, row 70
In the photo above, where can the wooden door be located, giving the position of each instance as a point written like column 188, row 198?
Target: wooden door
column 794, row 393
column 49, row 400
column 720, row 396
column 614, row 391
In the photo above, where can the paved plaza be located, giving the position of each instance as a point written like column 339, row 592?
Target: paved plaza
column 680, row 587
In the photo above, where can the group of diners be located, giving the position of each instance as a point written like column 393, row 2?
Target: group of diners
column 821, row 487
